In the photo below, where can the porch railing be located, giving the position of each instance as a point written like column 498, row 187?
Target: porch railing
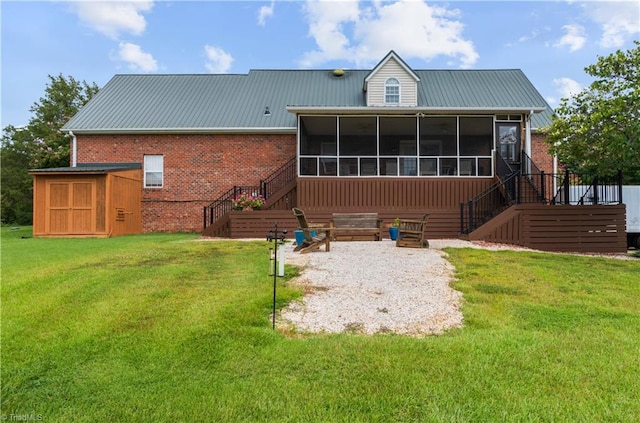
column 536, row 186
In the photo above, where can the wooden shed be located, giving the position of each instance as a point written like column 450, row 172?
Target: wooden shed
column 90, row 200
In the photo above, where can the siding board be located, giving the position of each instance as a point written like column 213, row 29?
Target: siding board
column 559, row 228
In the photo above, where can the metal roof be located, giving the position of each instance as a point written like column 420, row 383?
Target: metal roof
column 91, row 168
column 237, row 102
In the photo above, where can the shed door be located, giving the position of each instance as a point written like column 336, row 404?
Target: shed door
column 71, row 208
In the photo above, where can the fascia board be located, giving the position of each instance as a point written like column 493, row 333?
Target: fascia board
column 414, row 110
column 243, row 130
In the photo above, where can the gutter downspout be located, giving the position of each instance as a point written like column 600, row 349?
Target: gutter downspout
column 74, row 149
column 527, row 142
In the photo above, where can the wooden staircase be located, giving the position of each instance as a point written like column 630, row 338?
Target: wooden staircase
column 278, row 189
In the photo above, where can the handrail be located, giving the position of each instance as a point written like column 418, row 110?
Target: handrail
column 279, row 178
column 267, row 187
column 224, row 203
column 565, row 188
column 503, row 169
column 534, row 175
column 488, row 204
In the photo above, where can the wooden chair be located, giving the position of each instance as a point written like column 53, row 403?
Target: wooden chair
column 411, row 233
column 311, row 243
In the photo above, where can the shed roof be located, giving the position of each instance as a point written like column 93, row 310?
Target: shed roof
column 237, row 102
column 99, row 168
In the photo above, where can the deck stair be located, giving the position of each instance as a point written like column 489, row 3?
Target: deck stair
column 513, row 186
column 278, row 190
column 530, row 185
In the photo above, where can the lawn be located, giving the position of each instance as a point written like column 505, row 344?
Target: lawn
column 161, row 328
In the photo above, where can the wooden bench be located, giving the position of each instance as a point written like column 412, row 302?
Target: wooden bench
column 355, row 226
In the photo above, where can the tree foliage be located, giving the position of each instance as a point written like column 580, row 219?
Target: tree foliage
column 598, row 129
column 16, row 182
column 40, row 144
column 63, row 98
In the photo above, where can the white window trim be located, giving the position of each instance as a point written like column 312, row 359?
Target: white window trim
column 392, row 82
column 150, row 167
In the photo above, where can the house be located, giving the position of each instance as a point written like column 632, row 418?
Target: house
column 391, row 139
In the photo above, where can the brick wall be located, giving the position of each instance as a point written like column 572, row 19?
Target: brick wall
column 197, row 169
column 540, row 153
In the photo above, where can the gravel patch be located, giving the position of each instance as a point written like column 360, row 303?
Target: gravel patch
column 375, row 287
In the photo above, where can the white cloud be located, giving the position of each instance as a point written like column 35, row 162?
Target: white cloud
column 113, row 17
column 574, row 37
column 136, row 58
column 363, row 32
column 567, row 87
column 264, row 13
column 620, row 21
column 218, row 61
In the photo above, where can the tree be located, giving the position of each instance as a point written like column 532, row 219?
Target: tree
column 40, row 144
column 598, row 130
column 17, row 190
column 63, row 98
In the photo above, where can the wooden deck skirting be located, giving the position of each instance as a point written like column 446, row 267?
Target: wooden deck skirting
column 597, row 229
column 257, row 223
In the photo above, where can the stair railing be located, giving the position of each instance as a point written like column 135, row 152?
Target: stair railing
column 536, row 178
column 267, row 187
column 489, row 203
column 278, row 179
column 224, row 204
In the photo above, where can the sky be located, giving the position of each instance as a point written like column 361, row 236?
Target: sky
column 551, row 41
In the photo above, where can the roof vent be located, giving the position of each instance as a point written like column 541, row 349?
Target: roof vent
column 338, row 72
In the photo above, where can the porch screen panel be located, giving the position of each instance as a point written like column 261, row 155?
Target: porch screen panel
column 438, row 136
column 318, row 135
column 438, row 145
column 398, row 138
column 318, row 145
column 476, row 136
column 358, row 136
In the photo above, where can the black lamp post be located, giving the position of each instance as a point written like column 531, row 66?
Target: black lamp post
column 277, row 240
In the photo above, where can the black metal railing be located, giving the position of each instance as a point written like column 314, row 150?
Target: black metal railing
column 278, row 179
column 503, row 169
column 266, row 188
column 539, row 187
column 224, row 204
column 586, row 189
column 534, row 177
column 488, row 204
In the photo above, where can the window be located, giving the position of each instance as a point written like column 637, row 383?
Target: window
column 153, row 171
column 392, row 91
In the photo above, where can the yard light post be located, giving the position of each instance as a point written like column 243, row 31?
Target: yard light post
column 278, row 239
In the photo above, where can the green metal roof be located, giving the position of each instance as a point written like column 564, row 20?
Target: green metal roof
column 237, row 102
column 90, row 168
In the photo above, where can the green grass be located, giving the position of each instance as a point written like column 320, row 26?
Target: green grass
column 160, row 328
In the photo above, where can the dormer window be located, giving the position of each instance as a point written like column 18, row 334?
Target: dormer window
column 392, row 91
